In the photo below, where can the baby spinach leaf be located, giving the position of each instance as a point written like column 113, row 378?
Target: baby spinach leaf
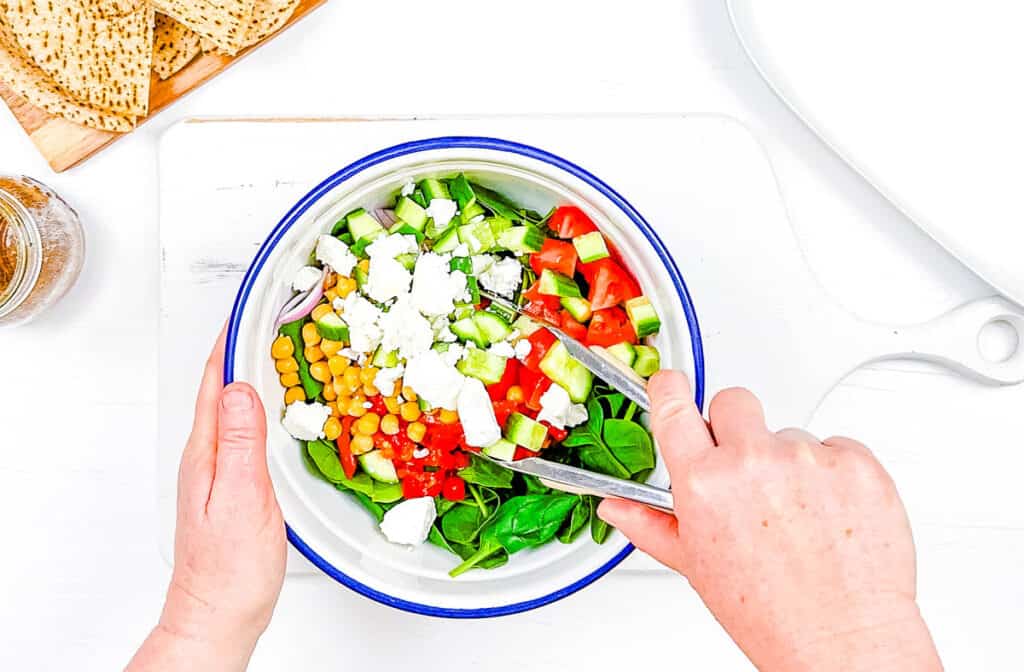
column 386, row 493
column 311, row 467
column 443, row 505
column 533, row 486
column 375, row 509
column 599, row 530
column 326, row 461
column 435, row 537
column 615, row 401
column 485, row 472
column 462, row 524
column 598, row 457
column 578, row 519
column 630, row 444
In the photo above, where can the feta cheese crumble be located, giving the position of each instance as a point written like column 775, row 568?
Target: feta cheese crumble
column 502, row 277
column 436, row 288
column 405, row 330
column 453, row 354
column 434, row 379
column 305, row 421
column 385, row 379
column 477, row 414
column 306, row 278
column 362, row 318
column 408, row 188
column 502, row 349
column 388, row 278
column 523, row 349
column 441, row 210
column 558, row 409
column 334, row 253
column 442, row 329
column 409, row 522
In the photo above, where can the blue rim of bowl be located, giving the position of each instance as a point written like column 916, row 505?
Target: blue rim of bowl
column 461, row 142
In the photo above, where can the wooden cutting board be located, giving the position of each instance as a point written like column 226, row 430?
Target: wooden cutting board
column 64, row 144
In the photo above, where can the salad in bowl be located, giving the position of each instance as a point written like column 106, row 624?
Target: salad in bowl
column 397, row 373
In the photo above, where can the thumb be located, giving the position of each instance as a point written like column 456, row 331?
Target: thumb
column 241, row 473
column 653, row 532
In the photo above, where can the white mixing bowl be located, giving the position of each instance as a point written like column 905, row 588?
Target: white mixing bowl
column 329, row 527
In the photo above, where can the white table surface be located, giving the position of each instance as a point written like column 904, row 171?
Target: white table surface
column 80, row 577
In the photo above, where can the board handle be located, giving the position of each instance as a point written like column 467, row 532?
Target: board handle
column 952, row 340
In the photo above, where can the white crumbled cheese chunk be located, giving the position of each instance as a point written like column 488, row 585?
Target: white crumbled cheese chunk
column 408, row 188
column 442, row 330
column 405, row 330
column 513, row 336
column 306, row 278
column 305, row 421
column 502, row 349
column 409, row 522
column 348, row 353
column 385, row 379
column 362, row 318
column 391, row 246
column 461, row 250
column 338, row 304
column 481, row 262
column 435, row 287
column 434, row 379
column 477, row 414
column 441, row 210
column 387, row 279
column 453, row 354
column 523, row 349
column 334, row 253
column 502, row 277
column 557, row 409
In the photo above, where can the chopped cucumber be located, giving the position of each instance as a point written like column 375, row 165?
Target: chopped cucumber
column 502, row 449
column 462, row 191
column 345, row 238
column 643, row 316
column 478, row 237
column 499, row 225
column 467, row 330
column 624, row 352
column 433, row 189
column 418, row 198
column 363, row 225
column 463, row 310
column 408, row 261
column 648, row 360
column 525, row 432
column 361, row 276
column 340, row 226
column 471, row 212
column 332, row 328
column 482, row 365
column 412, row 214
column 447, row 241
column 556, row 284
column 590, row 246
column 578, row 307
column 384, row 360
column 491, row 326
column 465, row 264
column 504, row 312
column 521, row 239
column 526, row 325
column 378, row 467
column 560, row 367
column 401, row 227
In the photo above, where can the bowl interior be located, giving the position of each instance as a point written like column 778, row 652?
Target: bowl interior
column 332, row 527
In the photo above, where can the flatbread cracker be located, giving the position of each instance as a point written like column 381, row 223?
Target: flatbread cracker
column 102, row 61
column 29, row 81
column 223, row 22
column 174, row 46
column 269, row 16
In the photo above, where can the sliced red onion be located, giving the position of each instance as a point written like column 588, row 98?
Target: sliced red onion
column 301, row 305
column 386, row 217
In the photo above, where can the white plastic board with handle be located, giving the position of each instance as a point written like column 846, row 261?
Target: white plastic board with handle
column 921, row 98
column 703, row 183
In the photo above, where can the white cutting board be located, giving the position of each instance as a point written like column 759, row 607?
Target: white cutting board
column 923, row 98
column 702, row 182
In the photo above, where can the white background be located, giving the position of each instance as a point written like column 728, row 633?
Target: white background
column 81, row 578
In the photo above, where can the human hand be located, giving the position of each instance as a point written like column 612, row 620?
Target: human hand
column 800, row 548
column 229, row 546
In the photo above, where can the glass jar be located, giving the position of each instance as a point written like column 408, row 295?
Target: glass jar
column 42, row 247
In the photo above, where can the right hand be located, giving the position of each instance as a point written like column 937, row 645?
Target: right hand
column 800, row 548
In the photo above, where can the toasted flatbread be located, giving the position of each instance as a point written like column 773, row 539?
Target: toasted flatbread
column 269, row 16
column 223, row 22
column 101, row 61
column 174, row 46
column 28, row 80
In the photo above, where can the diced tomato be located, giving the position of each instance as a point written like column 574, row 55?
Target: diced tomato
column 422, row 484
column 534, row 384
column 503, row 409
column 345, row 456
column 460, row 460
column 377, row 405
column 544, row 307
column 508, row 379
column 540, row 341
column 443, row 438
column 557, row 255
column 555, row 433
column 454, row 489
column 610, row 284
column 522, row 453
column 569, row 221
column 610, row 326
column 572, row 327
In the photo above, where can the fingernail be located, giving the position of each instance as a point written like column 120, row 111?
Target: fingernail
column 236, row 400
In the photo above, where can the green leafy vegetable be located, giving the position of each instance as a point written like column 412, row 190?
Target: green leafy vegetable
column 311, row 386
column 599, row 530
column 631, row 445
column 578, row 520
column 485, row 472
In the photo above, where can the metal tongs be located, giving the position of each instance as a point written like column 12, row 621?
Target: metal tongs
column 582, row 481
